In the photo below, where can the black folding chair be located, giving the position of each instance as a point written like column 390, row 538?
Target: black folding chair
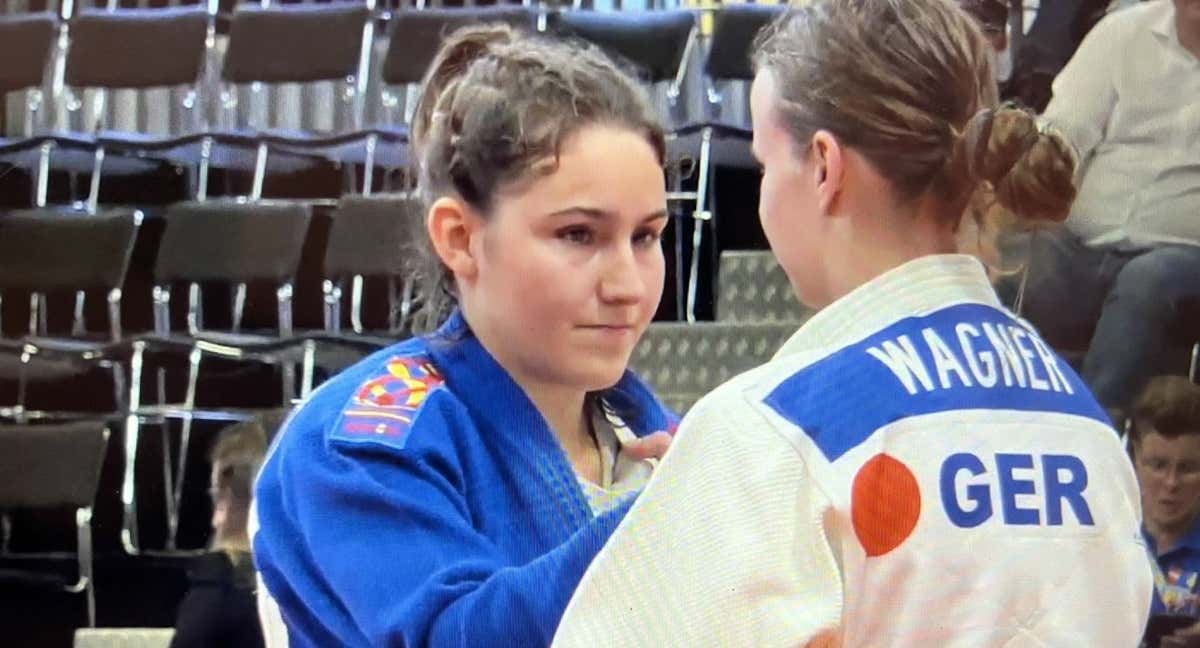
column 656, row 43
column 415, row 36
column 257, row 36
column 26, row 47
column 372, row 237
column 137, row 49
column 45, row 466
column 713, row 142
column 355, row 142
column 42, row 253
column 229, row 243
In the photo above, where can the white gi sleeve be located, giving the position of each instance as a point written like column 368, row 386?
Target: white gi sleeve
column 725, row 547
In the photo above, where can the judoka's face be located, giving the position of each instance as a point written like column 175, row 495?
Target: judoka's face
column 570, row 265
column 1168, row 469
column 788, row 201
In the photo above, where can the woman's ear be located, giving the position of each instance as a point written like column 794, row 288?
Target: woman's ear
column 829, row 168
column 451, row 224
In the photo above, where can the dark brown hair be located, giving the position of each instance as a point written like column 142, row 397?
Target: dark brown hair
column 991, row 14
column 496, row 106
column 908, row 84
column 1169, row 406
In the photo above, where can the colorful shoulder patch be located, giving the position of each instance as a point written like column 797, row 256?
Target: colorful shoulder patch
column 386, row 405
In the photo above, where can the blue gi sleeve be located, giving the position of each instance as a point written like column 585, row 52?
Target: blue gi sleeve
column 388, row 541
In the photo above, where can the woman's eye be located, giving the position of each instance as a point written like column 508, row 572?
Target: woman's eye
column 647, row 237
column 579, row 235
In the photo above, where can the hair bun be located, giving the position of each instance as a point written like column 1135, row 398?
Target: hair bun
column 1030, row 170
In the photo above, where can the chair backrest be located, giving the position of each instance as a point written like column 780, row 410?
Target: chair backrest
column 44, row 250
column 373, row 236
column 51, row 465
column 137, row 48
column 295, row 43
column 654, row 41
column 231, row 242
column 417, row 35
column 25, row 45
column 734, row 31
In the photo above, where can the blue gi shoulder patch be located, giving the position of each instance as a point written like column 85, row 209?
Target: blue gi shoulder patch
column 385, row 406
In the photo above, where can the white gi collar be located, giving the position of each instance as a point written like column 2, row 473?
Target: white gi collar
column 917, row 287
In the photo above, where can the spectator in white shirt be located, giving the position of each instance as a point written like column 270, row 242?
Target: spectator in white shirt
column 1113, row 280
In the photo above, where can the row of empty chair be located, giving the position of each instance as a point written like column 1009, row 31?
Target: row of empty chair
column 46, row 253
column 52, row 466
column 226, row 125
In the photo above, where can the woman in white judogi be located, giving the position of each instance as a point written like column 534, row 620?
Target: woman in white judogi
column 915, row 467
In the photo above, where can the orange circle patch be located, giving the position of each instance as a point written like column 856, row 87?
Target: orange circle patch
column 885, row 503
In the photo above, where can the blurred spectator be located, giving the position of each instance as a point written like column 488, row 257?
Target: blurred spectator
column 1058, row 28
column 1165, row 439
column 992, row 16
column 220, row 607
column 1113, row 280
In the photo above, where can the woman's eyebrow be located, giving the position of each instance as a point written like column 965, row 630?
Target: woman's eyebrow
column 599, row 214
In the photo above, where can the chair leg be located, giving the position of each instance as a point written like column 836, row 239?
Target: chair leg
column 119, row 390
column 93, row 199
column 185, row 438
column 701, row 216
column 1192, row 370
column 5, row 532
column 42, row 177
column 129, row 526
column 677, row 220
column 168, row 483
column 356, row 301
column 129, row 530
column 19, row 414
column 288, row 384
column 202, row 172
column 260, row 172
column 369, row 165
column 87, row 581
column 309, row 368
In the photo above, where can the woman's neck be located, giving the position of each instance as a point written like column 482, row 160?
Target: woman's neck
column 889, row 244
column 1189, row 35
column 567, row 415
column 564, row 412
column 562, row 407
